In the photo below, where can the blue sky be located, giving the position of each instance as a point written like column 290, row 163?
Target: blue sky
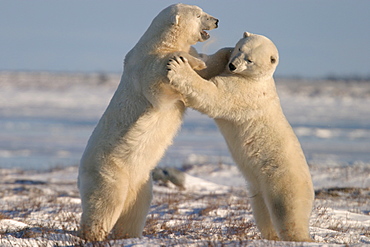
column 315, row 38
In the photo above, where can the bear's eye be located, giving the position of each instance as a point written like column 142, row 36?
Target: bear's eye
column 273, row 60
column 240, row 49
column 249, row 61
column 198, row 16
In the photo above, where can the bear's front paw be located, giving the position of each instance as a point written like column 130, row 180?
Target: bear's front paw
column 176, row 68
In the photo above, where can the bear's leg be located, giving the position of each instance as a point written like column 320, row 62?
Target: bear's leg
column 290, row 214
column 132, row 219
column 101, row 205
column 262, row 218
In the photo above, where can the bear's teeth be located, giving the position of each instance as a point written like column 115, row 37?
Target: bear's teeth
column 204, row 34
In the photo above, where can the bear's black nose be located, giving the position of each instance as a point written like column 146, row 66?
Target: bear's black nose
column 216, row 22
column 232, row 67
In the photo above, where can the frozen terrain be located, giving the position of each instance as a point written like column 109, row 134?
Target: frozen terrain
column 46, row 119
column 43, row 209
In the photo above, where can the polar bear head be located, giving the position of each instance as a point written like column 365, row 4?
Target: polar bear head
column 193, row 22
column 254, row 56
column 183, row 24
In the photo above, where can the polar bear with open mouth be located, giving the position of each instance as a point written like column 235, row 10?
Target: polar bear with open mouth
column 138, row 125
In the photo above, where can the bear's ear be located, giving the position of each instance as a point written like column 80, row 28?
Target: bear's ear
column 246, row 34
column 273, row 59
column 175, row 20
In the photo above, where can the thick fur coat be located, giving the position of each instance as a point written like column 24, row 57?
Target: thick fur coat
column 245, row 105
column 138, row 125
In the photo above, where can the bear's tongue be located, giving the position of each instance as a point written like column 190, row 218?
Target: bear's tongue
column 204, row 34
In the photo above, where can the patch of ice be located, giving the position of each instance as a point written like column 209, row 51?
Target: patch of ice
column 8, row 225
column 202, row 186
column 351, row 218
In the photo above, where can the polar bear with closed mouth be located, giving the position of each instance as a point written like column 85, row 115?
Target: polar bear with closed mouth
column 138, row 125
column 245, row 105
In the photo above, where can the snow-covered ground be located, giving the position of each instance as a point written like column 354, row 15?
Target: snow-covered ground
column 43, row 209
column 46, row 119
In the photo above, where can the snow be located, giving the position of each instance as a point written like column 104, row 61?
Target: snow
column 12, row 225
column 43, row 209
column 46, row 119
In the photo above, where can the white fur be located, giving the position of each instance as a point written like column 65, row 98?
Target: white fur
column 245, row 105
column 137, row 126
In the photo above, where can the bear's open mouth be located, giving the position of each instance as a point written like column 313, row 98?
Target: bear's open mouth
column 204, row 35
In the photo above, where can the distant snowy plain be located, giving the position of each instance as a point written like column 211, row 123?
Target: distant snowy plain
column 46, row 120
